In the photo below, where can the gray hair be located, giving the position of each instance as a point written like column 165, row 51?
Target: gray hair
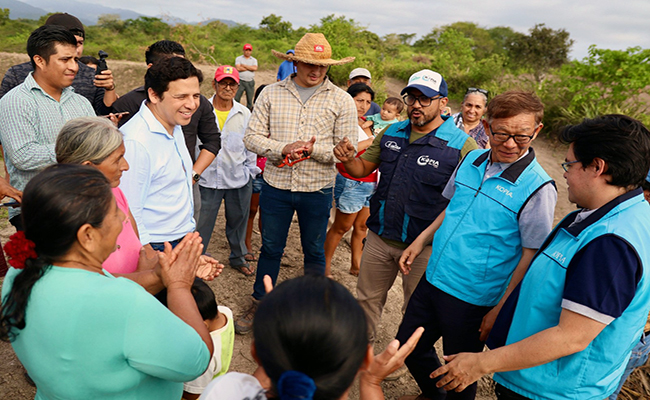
column 483, row 96
column 87, row 139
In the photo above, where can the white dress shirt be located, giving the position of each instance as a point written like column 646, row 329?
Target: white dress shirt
column 158, row 183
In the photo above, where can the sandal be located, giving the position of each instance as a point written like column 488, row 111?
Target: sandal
column 250, row 257
column 244, row 269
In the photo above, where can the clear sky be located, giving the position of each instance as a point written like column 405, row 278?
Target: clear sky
column 605, row 23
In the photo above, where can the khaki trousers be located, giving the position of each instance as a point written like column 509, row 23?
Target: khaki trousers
column 379, row 268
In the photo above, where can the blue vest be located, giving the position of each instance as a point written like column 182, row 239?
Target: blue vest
column 478, row 245
column 413, row 176
column 595, row 372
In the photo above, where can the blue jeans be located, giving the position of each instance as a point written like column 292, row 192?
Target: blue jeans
column 276, row 211
column 160, row 246
column 237, row 208
column 638, row 357
column 351, row 196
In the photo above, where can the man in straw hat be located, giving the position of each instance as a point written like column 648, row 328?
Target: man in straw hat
column 295, row 124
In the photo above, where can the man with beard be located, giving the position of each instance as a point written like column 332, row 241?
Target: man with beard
column 416, row 158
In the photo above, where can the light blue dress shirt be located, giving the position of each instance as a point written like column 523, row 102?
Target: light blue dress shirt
column 158, row 183
column 234, row 165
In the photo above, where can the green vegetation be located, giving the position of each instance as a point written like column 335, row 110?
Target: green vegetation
column 466, row 54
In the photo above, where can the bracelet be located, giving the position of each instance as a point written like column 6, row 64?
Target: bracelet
column 111, row 89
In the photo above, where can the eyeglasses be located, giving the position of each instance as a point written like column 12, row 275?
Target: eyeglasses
column 504, row 137
column 565, row 165
column 473, row 89
column 224, row 85
column 424, row 101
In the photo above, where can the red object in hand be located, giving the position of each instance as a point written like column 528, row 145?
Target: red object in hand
column 288, row 161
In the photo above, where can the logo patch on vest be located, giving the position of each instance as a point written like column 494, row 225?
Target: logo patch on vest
column 425, row 160
column 559, row 257
column 504, row 191
column 391, row 145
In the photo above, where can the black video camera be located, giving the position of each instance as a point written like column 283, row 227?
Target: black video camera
column 101, row 65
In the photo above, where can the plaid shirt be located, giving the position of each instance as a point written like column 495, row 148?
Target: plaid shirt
column 280, row 118
column 30, row 121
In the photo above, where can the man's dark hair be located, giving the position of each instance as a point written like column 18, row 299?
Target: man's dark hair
column 69, row 22
column 163, row 49
column 168, row 70
column 397, row 102
column 621, row 141
column 88, row 60
column 515, row 102
column 42, row 41
column 357, row 88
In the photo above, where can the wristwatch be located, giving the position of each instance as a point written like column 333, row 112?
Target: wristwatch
column 195, row 176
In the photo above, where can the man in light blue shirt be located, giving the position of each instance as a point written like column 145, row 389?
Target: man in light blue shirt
column 230, row 176
column 158, row 184
column 32, row 113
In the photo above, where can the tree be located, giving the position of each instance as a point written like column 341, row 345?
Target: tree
column 4, row 15
column 111, row 21
column 276, row 26
column 406, row 38
column 542, row 49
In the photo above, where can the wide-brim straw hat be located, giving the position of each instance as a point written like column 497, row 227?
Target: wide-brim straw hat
column 314, row 49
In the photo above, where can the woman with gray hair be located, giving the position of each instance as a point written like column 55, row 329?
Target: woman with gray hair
column 96, row 142
column 473, row 107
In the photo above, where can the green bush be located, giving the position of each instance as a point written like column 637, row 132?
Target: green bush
column 605, row 82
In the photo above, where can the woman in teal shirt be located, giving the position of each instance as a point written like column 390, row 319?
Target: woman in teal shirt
column 80, row 332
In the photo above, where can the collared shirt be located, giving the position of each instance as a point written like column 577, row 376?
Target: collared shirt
column 83, row 84
column 280, row 118
column 158, row 183
column 536, row 217
column 30, row 121
column 201, row 126
column 234, row 165
column 478, row 132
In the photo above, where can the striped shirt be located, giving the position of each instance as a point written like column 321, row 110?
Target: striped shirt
column 30, row 121
column 280, row 118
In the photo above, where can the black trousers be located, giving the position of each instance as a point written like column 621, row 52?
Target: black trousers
column 441, row 315
column 503, row 393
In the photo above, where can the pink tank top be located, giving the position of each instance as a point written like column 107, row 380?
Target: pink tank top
column 124, row 259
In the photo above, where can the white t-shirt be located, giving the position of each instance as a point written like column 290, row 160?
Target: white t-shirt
column 363, row 135
column 246, row 75
column 223, row 340
column 234, row 386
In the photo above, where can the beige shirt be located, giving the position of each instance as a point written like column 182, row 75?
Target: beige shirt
column 280, row 118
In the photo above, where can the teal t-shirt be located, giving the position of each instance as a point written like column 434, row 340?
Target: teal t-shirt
column 93, row 336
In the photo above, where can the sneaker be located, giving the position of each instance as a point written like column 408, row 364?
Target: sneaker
column 244, row 323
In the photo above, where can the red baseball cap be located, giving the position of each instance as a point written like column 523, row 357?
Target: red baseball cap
column 248, row 46
column 226, row 71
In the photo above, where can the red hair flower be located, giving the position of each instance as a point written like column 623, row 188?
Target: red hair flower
column 19, row 249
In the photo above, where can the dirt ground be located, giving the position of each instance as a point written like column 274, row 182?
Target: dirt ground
column 233, row 289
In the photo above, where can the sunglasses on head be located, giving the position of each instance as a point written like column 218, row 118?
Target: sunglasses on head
column 473, row 89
